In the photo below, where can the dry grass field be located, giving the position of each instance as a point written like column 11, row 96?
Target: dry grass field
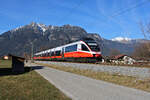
column 5, row 63
column 27, row 86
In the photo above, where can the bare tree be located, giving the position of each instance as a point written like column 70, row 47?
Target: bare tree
column 142, row 51
column 145, row 29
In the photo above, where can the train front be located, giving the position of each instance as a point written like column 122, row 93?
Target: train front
column 95, row 48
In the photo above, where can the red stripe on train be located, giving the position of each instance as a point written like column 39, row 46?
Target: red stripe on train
column 76, row 54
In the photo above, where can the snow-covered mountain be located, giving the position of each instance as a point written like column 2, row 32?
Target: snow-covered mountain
column 127, row 40
column 36, row 26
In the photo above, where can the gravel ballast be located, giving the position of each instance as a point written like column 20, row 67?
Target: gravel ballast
column 141, row 73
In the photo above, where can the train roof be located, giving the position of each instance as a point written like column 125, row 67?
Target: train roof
column 58, row 48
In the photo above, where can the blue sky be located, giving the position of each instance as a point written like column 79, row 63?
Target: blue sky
column 109, row 18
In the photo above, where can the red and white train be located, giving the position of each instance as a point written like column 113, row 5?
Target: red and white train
column 84, row 49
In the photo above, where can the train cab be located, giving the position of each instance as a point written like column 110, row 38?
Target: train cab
column 92, row 46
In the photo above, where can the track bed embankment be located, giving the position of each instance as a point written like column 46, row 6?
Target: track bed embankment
column 122, row 70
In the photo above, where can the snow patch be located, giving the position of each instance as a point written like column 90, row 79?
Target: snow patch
column 52, row 27
column 120, row 39
column 17, row 28
column 42, row 26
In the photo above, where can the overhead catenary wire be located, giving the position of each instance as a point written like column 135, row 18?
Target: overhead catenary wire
column 139, row 4
column 130, row 8
column 122, row 12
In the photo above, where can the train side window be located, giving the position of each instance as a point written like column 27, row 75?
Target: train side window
column 74, row 47
column 48, row 54
column 67, row 49
column 42, row 55
column 84, row 48
column 52, row 53
column 71, row 48
column 58, row 53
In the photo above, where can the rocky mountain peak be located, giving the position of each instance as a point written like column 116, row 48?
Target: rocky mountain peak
column 40, row 27
column 67, row 25
column 33, row 24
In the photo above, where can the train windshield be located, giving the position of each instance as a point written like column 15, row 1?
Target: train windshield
column 93, row 45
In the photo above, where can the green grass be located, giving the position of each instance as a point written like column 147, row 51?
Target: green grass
column 27, row 86
column 113, row 78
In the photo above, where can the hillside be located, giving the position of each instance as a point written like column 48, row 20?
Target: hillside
column 19, row 41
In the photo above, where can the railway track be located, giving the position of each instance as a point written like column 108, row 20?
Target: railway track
column 121, row 70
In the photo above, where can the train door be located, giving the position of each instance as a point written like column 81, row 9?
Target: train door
column 63, row 52
column 79, row 47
